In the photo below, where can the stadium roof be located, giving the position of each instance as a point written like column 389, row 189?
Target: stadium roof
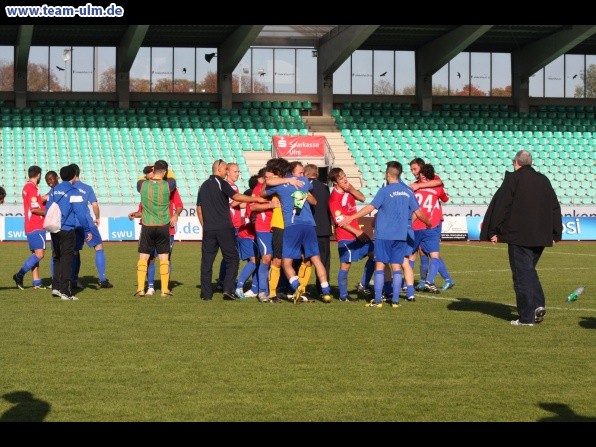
column 499, row 38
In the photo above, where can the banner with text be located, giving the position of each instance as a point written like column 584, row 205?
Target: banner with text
column 299, row 147
column 455, row 228
column 574, row 228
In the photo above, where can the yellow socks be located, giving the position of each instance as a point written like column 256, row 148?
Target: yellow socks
column 274, row 273
column 141, row 274
column 304, row 274
column 164, row 273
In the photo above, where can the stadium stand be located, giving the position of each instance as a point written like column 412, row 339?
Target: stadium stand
column 113, row 145
column 470, row 145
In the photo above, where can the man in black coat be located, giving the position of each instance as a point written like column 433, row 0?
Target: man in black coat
column 213, row 210
column 322, row 216
column 525, row 213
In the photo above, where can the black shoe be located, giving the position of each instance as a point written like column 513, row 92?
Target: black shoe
column 365, row 291
column 18, row 281
column 431, row 288
column 539, row 314
column 219, row 287
column 207, row 299
column 105, row 284
column 229, row 296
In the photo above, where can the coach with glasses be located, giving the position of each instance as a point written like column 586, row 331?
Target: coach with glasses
column 213, row 209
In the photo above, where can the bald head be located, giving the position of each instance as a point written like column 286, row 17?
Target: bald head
column 523, row 158
column 219, row 168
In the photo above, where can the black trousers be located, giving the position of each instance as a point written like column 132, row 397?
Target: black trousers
column 528, row 290
column 324, row 253
column 213, row 240
column 64, row 248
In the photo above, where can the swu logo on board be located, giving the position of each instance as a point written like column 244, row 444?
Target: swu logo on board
column 122, row 235
column 121, row 229
column 14, row 228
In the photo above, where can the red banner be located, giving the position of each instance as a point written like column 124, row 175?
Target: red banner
column 297, row 147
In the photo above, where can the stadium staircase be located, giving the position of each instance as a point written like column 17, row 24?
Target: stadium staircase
column 327, row 127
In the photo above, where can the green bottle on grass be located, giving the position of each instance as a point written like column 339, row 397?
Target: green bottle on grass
column 575, row 294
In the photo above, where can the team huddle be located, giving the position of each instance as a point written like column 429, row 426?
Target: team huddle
column 274, row 227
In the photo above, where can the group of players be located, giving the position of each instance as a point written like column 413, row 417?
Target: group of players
column 279, row 235
column 34, row 209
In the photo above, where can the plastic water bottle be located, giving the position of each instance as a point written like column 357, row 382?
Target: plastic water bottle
column 575, row 294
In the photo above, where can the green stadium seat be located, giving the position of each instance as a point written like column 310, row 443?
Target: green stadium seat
column 307, row 105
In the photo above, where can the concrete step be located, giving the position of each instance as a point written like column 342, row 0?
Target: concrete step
column 320, row 126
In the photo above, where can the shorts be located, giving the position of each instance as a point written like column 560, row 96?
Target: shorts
column 411, row 240
column 37, row 240
column 247, row 248
column 389, row 251
column 278, row 237
column 154, row 238
column 154, row 254
column 298, row 240
column 429, row 240
column 354, row 250
column 81, row 239
column 264, row 242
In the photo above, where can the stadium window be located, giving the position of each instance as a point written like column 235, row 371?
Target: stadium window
column 284, row 70
column 383, row 73
column 480, row 74
column 405, row 73
column 574, row 75
column 7, row 68
column 500, row 74
column 162, row 69
column 553, row 78
column 362, row 80
column 140, row 71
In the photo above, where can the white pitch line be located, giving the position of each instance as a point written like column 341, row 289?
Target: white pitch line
column 487, row 247
column 557, row 269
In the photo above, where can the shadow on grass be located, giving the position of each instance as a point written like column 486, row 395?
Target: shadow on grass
column 562, row 413
column 497, row 310
column 88, row 281
column 588, row 323
column 26, row 408
column 174, row 284
column 93, row 282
